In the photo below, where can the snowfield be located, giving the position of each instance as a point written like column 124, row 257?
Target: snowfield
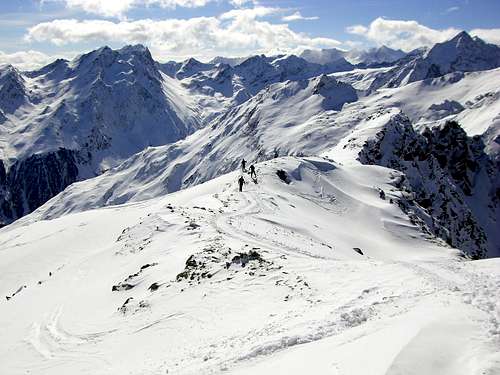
column 126, row 247
column 312, row 273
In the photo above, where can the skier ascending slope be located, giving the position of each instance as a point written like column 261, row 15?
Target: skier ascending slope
column 253, row 175
column 243, row 165
column 241, row 181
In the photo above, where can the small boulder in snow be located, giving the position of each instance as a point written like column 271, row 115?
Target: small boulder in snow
column 283, row 176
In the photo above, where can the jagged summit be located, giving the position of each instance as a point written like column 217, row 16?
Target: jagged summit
column 192, row 66
column 13, row 91
column 461, row 53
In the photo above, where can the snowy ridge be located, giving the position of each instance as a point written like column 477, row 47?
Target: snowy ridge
column 178, row 274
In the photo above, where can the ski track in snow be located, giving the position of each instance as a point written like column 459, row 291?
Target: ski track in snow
column 351, row 314
column 316, row 293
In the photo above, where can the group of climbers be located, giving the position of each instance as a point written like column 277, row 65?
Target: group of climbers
column 251, row 171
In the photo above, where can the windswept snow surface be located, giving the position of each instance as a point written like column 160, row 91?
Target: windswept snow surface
column 314, row 274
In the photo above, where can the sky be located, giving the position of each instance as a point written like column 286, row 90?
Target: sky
column 35, row 32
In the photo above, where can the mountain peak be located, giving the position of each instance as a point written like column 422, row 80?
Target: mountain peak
column 192, row 66
column 10, row 73
column 130, row 48
column 462, row 35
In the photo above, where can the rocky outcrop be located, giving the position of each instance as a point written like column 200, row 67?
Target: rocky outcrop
column 29, row 183
column 450, row 185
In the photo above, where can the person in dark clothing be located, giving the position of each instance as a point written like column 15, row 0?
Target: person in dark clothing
column 241, row 181
column 252, row 172
column 244, row 165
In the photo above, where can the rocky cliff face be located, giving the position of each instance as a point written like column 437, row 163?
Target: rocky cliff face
column 13, row 92
column 450, row 186
column 31, row 182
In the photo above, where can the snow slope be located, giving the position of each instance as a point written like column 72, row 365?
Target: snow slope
column 209, row 280
column 472, row 99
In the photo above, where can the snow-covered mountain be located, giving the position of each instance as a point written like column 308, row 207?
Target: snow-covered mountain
column 287, row 118
column 382, row 55
column 85, row 115
column 242, row 81
column 459, row 54
column 259, row 109
column 377, row 56
column 369, row 205
column 231, row 61
column 293, row 118
column 84, row 104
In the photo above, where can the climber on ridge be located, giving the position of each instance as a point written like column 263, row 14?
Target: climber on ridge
column 253, row 175
column 241, row 181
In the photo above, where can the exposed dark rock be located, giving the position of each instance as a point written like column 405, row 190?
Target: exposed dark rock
column 121, row 286
column 358, row 250
column 191, row 261
column 244, row 258
column 445, row 171
column 283, row 176
column 123, row 308
column 153, row 287
column 216, row 258
column 148, row 265
column 31, row 182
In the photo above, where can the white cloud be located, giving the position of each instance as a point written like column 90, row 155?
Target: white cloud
column 488, row 35
column 107, row 8
column 118, row 8
column 250, row 13
column 239, row 3
column 452, row 9
column 297, row 16
column 406, row 35
column 26, row 60
column 235, row 33
column 409, row 35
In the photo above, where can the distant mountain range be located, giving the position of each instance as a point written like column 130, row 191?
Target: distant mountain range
column 366, row 58
column 131, row 128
